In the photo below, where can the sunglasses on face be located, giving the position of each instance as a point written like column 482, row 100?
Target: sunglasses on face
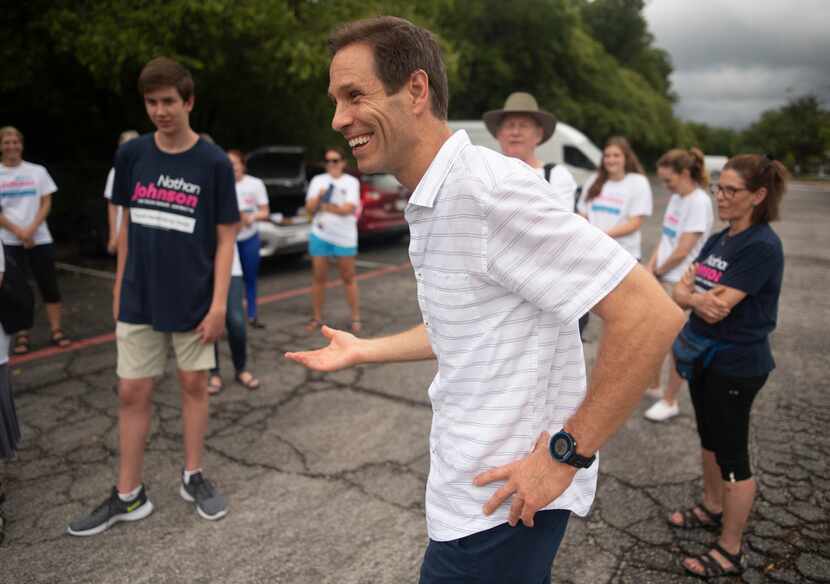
column 333, row 160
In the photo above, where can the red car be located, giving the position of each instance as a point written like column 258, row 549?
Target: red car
column 383, row 200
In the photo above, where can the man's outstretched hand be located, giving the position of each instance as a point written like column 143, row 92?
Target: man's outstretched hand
column 342, row 352
column 534, row 482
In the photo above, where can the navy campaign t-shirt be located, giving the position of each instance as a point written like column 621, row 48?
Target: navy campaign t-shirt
column 175, row 202
column 752, row 262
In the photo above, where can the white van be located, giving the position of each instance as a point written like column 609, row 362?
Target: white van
column 567, row 146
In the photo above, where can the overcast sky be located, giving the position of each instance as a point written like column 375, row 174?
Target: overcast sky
column 734, row 59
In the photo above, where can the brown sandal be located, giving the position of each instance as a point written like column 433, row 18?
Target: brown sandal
column 251, row 383
column 215, row 384
column 59, row 339
column 21, row 344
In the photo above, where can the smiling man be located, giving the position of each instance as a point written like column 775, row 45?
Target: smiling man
column 174, row 262
column 503, row 273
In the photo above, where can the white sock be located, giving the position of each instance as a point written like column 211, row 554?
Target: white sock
column 127, row 497
column 189, row 473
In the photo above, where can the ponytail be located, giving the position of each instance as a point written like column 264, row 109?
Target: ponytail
column 762, row 172
column 692, row 160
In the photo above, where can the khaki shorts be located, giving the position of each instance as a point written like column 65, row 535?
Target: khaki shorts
column 142, row 351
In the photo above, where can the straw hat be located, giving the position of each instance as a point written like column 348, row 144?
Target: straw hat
column 521, row 103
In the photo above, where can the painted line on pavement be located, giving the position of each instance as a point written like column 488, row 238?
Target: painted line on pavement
column 268, row 299
column 85, row 271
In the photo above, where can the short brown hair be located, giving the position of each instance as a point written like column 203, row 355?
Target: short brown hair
column 692, row 160
column 758, row 172
column 400, row 48
column 165, row 72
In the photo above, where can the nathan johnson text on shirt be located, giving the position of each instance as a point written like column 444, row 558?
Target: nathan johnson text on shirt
column 169, row 190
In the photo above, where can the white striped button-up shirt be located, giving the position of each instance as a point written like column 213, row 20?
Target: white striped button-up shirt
column 503, row 274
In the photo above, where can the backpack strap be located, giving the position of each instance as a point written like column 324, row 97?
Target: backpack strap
column 548, row 168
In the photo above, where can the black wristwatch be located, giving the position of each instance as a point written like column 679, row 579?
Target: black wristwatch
column 563, row 449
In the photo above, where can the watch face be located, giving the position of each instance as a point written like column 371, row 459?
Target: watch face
column 561, row 447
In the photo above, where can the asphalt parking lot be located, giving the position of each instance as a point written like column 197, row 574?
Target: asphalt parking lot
column 325, row 473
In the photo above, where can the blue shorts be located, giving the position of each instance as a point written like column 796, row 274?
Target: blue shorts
column 519, row 555
column 321, row 248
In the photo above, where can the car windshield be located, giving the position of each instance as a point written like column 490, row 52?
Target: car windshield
column 268, row 165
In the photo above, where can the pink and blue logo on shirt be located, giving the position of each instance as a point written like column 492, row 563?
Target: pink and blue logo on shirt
column 670, row 225
column 610, row 204
column 18, row 187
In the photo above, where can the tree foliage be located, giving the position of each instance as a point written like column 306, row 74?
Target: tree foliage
column 261, row 69
column 797, row 133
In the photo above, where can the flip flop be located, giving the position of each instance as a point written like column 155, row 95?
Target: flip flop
column 357, row 326
column 251, row 384
column 313, row 325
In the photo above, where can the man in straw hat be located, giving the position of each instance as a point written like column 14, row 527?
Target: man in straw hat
column 502, row 273
column 520, row 127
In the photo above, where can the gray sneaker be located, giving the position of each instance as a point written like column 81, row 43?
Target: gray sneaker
column 210, row 503
column 110, row 512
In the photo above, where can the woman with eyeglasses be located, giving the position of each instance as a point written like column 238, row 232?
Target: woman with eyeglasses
column 686, row 225
column 617, row 199
column 724, row 351
column 333, row 198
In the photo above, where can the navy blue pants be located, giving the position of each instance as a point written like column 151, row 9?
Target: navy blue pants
column 235, row 323
column 249, row 258
column 502, row 554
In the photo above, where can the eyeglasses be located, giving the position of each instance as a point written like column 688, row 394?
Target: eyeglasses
column 333, row 160
column 728, row 192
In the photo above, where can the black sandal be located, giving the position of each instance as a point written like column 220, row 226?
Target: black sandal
column 713, row 569
column 59, row 339
column 21, row 344
column 692, row 521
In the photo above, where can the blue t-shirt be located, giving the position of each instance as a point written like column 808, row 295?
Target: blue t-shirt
column 175, row 201
column 752, row 262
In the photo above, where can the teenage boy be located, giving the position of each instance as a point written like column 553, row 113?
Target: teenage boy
column 174, row 261
column 503, row 274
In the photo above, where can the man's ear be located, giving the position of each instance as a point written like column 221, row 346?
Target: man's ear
column 418, row 91
column 188, row 105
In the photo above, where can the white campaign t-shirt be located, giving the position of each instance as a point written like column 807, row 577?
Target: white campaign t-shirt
column 4, row 338
column 236, row 266
column 617, row 202
column 250, row 194
column 336, row 229
column 119, row 211
column 563, row 183
column 689, row 214
column 21, row 188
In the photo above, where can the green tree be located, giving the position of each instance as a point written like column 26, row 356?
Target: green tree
column 621, row 28
column 797, row 133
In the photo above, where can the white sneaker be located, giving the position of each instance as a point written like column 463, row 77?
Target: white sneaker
column 655, row 392
column 662, row 411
